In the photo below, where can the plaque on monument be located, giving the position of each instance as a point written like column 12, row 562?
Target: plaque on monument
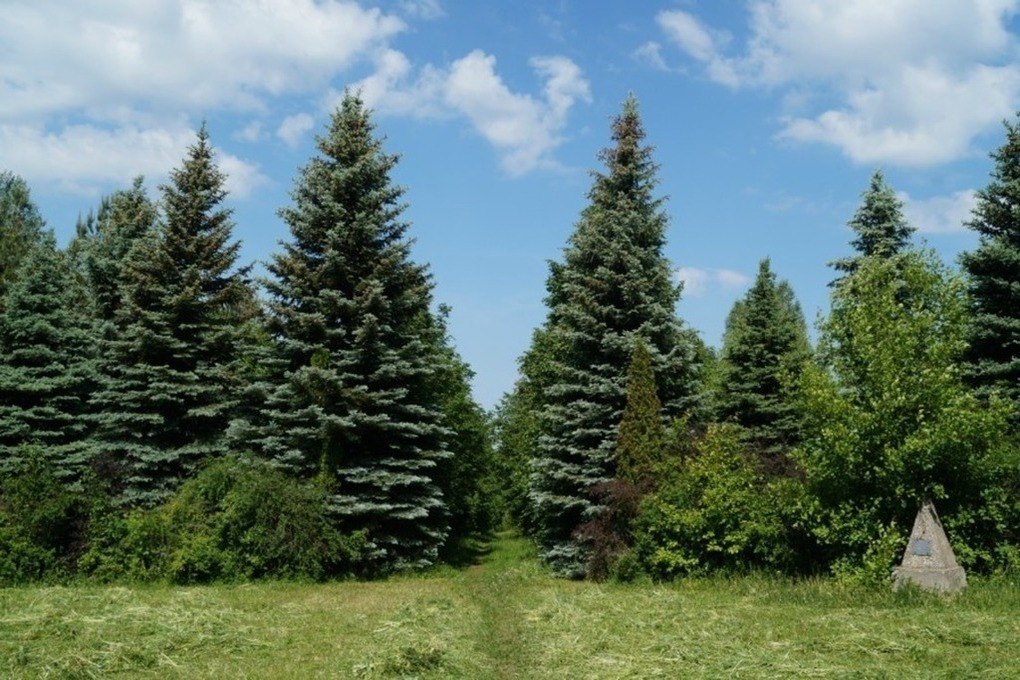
column 928, row 561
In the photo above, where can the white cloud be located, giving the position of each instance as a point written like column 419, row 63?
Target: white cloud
column 95, row 92
column 293, row 128
column 699, row 282
column 252, row 132
column 422, row 9
column 81, row 157
column 651, row 54
column 939, row 214
column 524, row 129
column 906, row 82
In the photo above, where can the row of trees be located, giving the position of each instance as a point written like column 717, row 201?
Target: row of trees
column 144, row 353
column 632, row 446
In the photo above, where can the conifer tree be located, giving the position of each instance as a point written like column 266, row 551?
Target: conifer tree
column 879, row 224
column 642, row 436
column 46, row 366
column 21, row 228
column 614, row 284
column 102, row 247
column 349, row 312
column 169, row 388
column 993, row 269
column 764, row 350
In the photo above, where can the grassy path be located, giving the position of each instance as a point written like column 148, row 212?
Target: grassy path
column 507, row 618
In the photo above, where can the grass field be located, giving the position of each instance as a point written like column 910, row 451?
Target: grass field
column 507, row 618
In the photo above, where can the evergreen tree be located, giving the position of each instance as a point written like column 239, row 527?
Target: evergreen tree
column 993, row 269
column 879, row 224
column 349, row 312
column 169, row 384
column 642, row 437
column 764, row 351
column 46, row 367
column 21, row 227
column 102, row 247
column 614, row 284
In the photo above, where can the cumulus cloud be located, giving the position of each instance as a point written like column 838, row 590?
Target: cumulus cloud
column 91, row 93
column 293, row 128
column 90, row 156
column 651, row 54
column 899, row 79
column 422, row 9
column 939, row 214
column 699, row 282
column 525, row 129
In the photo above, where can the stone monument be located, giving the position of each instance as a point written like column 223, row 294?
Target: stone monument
column 928, row 561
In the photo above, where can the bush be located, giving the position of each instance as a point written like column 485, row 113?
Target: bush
column 717, row 514
column 41, row 524
column 237, row 519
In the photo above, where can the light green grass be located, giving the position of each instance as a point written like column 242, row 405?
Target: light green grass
column 507, row 618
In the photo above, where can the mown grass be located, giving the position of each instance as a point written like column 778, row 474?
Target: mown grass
column 507, row 618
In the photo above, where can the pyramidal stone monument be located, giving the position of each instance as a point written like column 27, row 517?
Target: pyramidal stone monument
column 928, row 561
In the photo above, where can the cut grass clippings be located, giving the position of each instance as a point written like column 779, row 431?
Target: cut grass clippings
column 508, row 618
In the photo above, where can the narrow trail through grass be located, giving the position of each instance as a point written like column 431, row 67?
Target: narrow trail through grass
column 504, row 616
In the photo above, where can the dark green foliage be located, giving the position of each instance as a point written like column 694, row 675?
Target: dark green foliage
column 169, row 383
column 349, row 313
column 993, row 268
column 46, row 366
column 468, row 477
column 235, row 520
column 717, row 513
column 879, row 224
column 21, row 227
column 102, row 248
column 517, row 427
column 614, row 284
column 764, row 351
column 41, row 522
column 642, row 439
column 890, row 424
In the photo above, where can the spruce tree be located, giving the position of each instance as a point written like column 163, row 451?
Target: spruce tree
column 613, row 284
column 993, row 269
column 642, row 437
column 349, row 312
column 879, row 224
column 46, row 367
column 169, row 388
column 21, row 228
column 764, row 350
column 102, row 247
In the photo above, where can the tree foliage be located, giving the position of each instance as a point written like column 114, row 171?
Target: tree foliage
column 21, row 227
column 169, row 388
column 890, row 424
column 993, row 269
column 47, row 368
column 349, row 316
column 613, row 284
column 881, row 229
column 764, row 351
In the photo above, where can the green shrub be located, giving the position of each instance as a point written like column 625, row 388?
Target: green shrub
column 235, row 520
column 41, row 523
column 717, row 514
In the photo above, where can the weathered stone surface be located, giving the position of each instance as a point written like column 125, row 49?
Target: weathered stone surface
column 928, row 561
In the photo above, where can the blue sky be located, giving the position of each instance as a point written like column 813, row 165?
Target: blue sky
column 768, row 117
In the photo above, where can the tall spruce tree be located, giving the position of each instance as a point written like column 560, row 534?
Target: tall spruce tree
column 168, row 387
column 21, row 228
column 993, row 274
column 764, row 351
column 879, row 224
column 46, row 366
column 614, row 284
column 349, row 312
